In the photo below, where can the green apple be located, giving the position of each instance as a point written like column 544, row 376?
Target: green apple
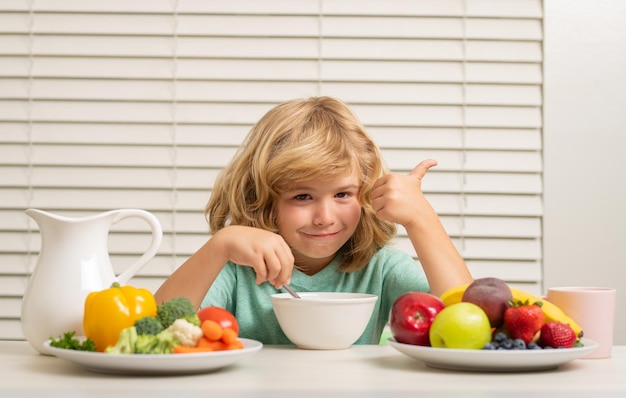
column 461, row 325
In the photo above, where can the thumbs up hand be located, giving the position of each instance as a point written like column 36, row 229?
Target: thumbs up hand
column 399, row 198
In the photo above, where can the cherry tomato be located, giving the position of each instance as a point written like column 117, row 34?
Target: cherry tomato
column 219, row 315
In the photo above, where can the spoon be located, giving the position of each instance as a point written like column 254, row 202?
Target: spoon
column 291, row 291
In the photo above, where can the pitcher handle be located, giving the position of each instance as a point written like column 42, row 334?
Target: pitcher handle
column 157, row 236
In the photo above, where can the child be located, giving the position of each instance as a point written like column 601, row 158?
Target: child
column 307, row 201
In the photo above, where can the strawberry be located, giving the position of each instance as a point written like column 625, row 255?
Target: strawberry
column 557, row 334
column 524, row 320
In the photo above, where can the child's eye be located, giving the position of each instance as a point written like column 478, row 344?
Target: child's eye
column 302, row 196
column 343, row 195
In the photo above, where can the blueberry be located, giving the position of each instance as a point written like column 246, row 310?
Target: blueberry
column 500, row 337
column 533, row 346
column 507, row 344
column 490, row 346
column 519, row 344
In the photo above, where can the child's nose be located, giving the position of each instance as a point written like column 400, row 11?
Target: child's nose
column 324, row 214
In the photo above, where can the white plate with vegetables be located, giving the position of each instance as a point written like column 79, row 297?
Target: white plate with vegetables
column 156, row 364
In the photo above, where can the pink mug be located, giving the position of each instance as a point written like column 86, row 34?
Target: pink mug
column 593, row 308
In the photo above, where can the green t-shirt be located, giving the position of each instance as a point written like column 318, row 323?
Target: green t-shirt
column 389, row 274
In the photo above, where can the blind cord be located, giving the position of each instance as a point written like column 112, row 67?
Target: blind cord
column 463, row 197
column 174, row 130
column 319, row 45
column 29, row 139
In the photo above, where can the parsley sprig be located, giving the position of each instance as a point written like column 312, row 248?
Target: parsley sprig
column 69, row 342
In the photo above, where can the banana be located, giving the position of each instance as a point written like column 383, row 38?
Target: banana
column 551, row 311
column 453, row 295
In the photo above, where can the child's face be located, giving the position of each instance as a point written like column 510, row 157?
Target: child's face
column 317, row 217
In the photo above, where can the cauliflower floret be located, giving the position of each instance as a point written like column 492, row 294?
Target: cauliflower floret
column 186, row 332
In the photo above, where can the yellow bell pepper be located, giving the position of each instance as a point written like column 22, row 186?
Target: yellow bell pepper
column 109, row 311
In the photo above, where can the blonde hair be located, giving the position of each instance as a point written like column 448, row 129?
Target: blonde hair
column 301, row 140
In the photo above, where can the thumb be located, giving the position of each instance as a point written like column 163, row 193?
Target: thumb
column 420, row 170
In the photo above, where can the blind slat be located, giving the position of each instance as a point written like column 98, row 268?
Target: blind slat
column 488, row 249
column 517, row 8
column 470, row 248
column 98, row 199
column 268, row 48
column 228, row 113
column 231, row 135
column 196, row 157
column 275, row 70
column 203, row 178
column 192, row 222
column 122, row 134
column 161, row 90
column 160, row 265
column 154, row 200
column 491, row 8
column 450, row 50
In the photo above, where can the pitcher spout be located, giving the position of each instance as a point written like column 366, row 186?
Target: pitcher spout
column 35, row 214
column 40, row 216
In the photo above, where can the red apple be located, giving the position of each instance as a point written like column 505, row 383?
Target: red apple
column 411, row 317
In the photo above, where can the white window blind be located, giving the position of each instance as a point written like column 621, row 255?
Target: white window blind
column 138, row 104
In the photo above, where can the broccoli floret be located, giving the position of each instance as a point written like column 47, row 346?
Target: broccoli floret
column 125, row 342
column 162, row 343
column 148, row 325
column 173, row 309
column 193, row 319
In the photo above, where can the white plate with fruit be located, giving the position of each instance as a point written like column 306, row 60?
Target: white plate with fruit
column 485, row 326
column 494, row 360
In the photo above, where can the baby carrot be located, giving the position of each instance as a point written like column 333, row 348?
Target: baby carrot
column 203, row 342
column 212, row 330
column 183, row 349
column 217, row 345
column 236, row 345
column 208, row 346
column 229, row 336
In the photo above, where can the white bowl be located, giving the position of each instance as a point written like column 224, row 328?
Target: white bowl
column 323, row 320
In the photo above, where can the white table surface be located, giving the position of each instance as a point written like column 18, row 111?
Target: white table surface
column 281, row 371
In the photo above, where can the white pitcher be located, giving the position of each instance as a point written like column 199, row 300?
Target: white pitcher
column 74, row 261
